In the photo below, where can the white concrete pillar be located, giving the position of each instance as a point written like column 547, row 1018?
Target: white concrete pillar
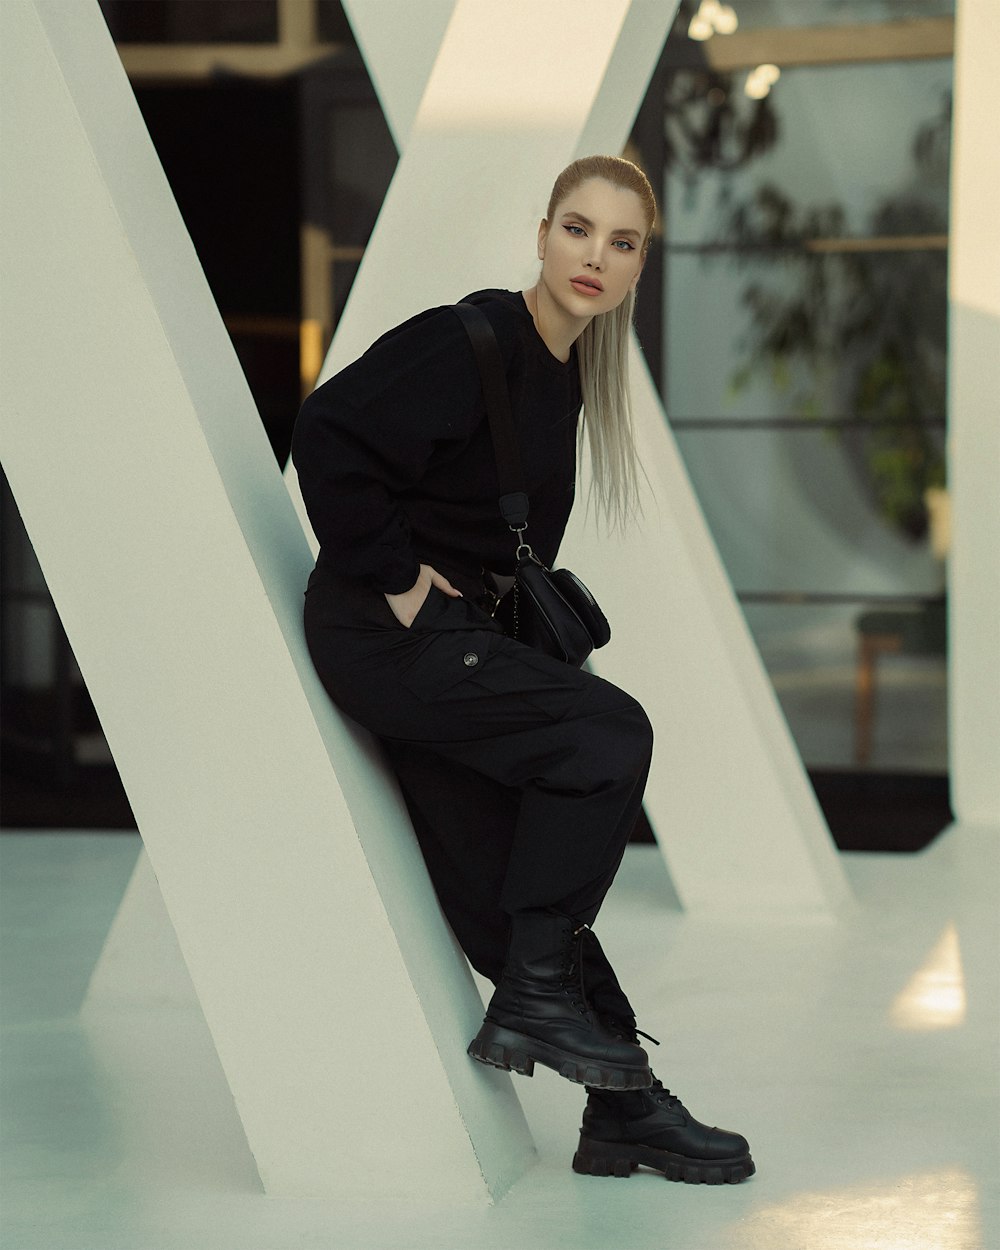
column 334, row 993
column 974, row 422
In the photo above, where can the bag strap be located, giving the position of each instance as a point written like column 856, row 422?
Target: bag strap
column 513, row 497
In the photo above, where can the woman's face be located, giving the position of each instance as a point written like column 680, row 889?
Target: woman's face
column 591, row 250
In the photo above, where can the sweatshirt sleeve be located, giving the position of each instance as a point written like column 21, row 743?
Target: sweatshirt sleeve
column 369, row 434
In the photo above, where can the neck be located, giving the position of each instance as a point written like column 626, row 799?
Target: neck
column 557, row 328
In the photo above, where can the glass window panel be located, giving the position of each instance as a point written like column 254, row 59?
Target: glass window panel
column 794, row 510
column 705, row 330
column 812, row 655
column 758, row 14
column 858, row 335
column 192, row 21
column 806, row 382
column 845, row 137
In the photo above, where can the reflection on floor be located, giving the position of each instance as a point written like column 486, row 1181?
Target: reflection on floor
column 859, row 1057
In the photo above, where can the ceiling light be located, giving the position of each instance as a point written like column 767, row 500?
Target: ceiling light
column 760, row 80
column 712, row 18
column 700, row 28
column 725, row 20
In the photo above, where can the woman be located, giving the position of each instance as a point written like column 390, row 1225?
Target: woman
column 523, row 776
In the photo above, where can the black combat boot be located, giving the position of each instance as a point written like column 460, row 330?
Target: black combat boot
column 540, row 1013
column 653, row 1127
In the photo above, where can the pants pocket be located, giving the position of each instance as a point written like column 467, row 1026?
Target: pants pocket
column 448, row 657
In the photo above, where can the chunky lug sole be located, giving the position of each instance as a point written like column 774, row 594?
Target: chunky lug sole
column 608, row 1158
column 518, row 1052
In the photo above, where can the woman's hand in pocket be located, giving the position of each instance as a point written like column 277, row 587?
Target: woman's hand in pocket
column 406, row 606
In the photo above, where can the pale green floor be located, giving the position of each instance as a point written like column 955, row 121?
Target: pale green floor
column 859, row 1057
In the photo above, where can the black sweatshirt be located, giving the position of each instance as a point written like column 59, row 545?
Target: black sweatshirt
column 395, row 460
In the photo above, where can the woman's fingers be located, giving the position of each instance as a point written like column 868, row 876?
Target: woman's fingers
column 406, row 606
column 442, row 583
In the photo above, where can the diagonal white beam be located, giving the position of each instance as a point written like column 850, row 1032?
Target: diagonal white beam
column 385, row 29
column 333, row 992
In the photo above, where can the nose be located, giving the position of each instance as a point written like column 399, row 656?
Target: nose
column 597, row 254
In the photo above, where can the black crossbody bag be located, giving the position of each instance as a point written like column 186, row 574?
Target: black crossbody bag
column 551, row 610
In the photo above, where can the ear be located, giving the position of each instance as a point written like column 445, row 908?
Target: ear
column 543, row 234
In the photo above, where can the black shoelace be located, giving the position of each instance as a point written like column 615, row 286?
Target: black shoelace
column 627, row 1032
column 574, row 970
column 661, row 1094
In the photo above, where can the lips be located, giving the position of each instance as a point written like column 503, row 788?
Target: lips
column 585, row 285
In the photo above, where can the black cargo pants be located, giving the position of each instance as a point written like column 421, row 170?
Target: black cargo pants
column 523, row 776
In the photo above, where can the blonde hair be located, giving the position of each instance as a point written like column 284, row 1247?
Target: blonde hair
column 603, row 350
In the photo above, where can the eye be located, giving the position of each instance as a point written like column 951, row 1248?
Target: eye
column 574, row 229
column 624, row 245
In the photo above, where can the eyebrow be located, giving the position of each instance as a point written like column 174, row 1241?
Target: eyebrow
column 585, row 221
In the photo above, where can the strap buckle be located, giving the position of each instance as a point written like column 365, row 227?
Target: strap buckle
column 522, row 546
